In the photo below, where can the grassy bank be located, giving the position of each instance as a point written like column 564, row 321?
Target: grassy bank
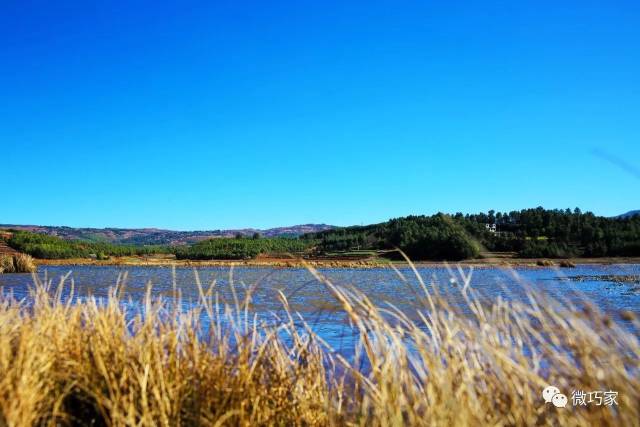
column 90, row 363
column 164, row 260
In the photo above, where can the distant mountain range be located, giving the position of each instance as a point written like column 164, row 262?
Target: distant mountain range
column 155, row 236
column 629, row 214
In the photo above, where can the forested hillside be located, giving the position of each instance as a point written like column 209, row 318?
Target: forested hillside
column 530, row 233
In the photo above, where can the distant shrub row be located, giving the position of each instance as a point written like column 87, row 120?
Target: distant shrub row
column 43, row 246
column 50, row 247
column 240, row 248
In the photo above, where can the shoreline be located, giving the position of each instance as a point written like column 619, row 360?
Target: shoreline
column 347, row 264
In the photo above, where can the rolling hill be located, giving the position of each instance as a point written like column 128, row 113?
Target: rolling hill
column 629, row 214
column 155, row 236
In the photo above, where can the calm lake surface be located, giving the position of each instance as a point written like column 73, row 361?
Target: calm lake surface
column 312, row 300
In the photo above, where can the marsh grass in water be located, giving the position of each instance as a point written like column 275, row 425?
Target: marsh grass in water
column 66, row 361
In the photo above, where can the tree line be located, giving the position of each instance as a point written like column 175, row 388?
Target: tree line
column 241, row 247
column 43, row 246
column 531, row 233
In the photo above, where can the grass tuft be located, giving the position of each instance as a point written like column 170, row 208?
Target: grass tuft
column 24, row 263
column 6, row 264
column 19, row 263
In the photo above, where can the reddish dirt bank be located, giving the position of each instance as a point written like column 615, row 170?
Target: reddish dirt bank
column 6, row 250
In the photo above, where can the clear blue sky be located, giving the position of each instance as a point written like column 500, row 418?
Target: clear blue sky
column 204, row 115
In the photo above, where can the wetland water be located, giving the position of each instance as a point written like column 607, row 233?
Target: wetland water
column 597, row 283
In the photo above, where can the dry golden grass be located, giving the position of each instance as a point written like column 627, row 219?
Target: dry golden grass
column 24, row 263
column 6, row 264
column 18, row 263
column 94, row 363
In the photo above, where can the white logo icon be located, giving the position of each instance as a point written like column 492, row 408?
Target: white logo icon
column 559, row 400
column 552, row 394
column 549, row 392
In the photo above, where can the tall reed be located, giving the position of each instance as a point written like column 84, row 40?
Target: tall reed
column 94, row 362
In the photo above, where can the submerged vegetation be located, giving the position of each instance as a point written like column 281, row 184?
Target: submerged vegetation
column 531, row 233
column 96, row 362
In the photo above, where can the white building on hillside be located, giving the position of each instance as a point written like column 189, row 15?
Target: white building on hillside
column 490, row 227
